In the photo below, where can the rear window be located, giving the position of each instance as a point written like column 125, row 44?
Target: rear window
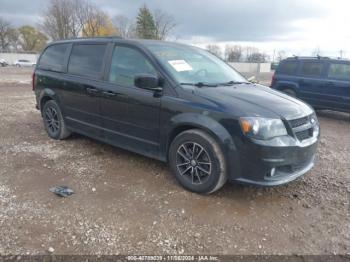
column 312, row 69
column 87, row 60
column 339, row 71
column 288, row 68
column 53, row 57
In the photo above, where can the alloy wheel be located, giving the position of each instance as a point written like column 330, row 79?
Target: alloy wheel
column 193, row 162
column 51, row 119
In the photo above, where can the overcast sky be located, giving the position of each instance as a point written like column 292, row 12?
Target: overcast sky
column 296, row 26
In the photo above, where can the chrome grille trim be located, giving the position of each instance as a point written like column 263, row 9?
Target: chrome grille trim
column 302, row 127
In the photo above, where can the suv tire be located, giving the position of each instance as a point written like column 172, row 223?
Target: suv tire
column 197, row 162
column 53, row 121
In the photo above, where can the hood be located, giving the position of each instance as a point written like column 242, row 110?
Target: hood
column 257, row 100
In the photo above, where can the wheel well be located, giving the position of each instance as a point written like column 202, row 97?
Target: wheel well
column 285, row 87
column 44, row 100
column 289, row 90
column 183, row 128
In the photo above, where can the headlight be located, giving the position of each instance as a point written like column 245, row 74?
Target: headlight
column 262, row 128
column 315, row 124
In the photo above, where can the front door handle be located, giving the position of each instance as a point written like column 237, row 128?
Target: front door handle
column 330, row 83
column 92, row 91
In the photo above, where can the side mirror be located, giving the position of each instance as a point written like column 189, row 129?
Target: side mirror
column 146, row 81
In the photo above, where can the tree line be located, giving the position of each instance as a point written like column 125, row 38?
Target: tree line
column 63, row 19
column 24, row 38
column 238, row 53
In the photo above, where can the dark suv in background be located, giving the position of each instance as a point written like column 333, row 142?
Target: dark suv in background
column 178, row 104
column 322, row 82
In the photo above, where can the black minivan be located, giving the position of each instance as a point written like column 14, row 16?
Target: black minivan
column 175, row 103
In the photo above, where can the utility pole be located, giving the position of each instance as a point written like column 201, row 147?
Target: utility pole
column 341, row 53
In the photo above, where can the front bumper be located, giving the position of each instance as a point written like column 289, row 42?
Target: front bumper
column 274, row 162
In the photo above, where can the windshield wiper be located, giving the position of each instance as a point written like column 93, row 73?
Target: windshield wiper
column 230, row 83
column 200, row 84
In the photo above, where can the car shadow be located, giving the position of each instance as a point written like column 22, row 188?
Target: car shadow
column 231, row 190
column 334, row 115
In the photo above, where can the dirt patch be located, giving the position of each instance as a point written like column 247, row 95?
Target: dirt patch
column 129, row 204
column 16, row 75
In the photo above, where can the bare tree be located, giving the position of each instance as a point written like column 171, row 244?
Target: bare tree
column 69, row 18
column 94, row 20
column 5, row 32
column 281, row 54
column 249, row 51
column 164, row 23
column 214, row 49
column 233, row 53
column 257, row 57
column 59, row 20
column 124, row 26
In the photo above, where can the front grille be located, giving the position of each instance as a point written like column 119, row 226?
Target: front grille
column 299, row 122
column 305, row 134
column 302, row 127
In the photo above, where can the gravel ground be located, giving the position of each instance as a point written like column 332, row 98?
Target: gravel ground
column 128, row 204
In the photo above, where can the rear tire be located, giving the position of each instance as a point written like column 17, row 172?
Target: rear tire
column 197, row 162
column 289, row 92
column 53, row 121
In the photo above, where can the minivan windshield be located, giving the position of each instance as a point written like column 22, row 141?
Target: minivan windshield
column 194, row 66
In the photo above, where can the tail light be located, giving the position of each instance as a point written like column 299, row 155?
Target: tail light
column 273, row 79
column 33, row 81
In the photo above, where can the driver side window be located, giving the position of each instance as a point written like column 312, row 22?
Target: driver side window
column 126, row 64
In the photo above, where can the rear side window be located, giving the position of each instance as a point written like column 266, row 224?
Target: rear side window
column 87, row 60
column 312, row 69
column 339, row 71
column 288, row 68
column 53, row 57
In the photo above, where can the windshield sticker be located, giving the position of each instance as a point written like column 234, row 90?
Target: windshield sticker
column 180, row 65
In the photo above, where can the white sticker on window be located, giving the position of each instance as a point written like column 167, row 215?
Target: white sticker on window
column 180, row 65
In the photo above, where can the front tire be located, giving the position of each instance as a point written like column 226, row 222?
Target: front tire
column 53, row 121
column 197, row 162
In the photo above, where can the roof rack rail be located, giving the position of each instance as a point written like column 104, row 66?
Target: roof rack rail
column 93, row 37
column 309, row 57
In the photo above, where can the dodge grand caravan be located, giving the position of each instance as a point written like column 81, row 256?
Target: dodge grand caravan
column 177, row 104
